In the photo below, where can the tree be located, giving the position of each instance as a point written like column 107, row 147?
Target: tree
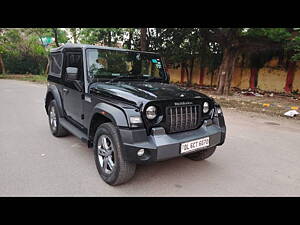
column 143, row 39
column 21, row 53
column 183, row 46
column 104, row 36
column 60, row 36
column 292, row 55
column 287, row 51
column 236, row 41
column 75, row 32
column 129, row 41
column 2, row 50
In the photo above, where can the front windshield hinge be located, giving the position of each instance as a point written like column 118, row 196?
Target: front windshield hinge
column 140, row 106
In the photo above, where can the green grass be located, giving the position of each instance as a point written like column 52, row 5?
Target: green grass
column 41, row 79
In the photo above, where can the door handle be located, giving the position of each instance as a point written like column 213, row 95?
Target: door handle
column 65, row 90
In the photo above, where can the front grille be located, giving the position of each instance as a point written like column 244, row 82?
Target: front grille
column 182, row 118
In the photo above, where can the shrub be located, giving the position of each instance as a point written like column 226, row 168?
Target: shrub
column 25, row 63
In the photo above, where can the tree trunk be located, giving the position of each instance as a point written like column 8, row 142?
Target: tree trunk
column 2, row 65
column 253, row 78
column 222, row 73
column 143, row 39
column 55, row 36
column 109, row 39
column 182, row 73
column 190, row 74
column 212, row 79
column 218, row 76
column 187, row 74
column 130, row 39
column 47, row 67
column 74, row 33
column 290, row 77
column 202, row 69
column 75, row 37
column 226, row 71
column 229, row 77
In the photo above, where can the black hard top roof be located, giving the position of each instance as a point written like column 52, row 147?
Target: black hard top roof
column 85, row 46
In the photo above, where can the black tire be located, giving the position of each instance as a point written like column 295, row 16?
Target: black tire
column 202, row 154
column 122, row 170
column 58, row 130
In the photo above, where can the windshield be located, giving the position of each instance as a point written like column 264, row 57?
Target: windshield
column 111, row 64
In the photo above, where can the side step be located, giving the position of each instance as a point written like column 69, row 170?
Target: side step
column 74, row 130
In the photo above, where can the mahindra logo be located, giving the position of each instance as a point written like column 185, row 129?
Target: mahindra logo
column 183, row 103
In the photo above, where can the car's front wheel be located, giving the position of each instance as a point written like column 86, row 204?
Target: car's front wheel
column 202, row 154
column 110, row 163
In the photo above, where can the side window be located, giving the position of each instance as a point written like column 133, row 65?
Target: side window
column 74, row 59
column 55, row 64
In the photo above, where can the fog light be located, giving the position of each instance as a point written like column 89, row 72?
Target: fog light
column 140, row 152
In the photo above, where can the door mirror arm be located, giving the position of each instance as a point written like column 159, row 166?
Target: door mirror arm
column 78, row 85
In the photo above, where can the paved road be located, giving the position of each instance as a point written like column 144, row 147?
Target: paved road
column 259, row 158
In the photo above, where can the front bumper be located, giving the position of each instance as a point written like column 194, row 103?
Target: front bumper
column 161, row 146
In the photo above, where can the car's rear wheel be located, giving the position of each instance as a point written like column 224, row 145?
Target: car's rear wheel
column 110, row 163
column 202, row 154
column 56, row 128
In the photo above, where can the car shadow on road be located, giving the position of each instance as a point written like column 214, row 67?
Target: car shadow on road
column 179, row 172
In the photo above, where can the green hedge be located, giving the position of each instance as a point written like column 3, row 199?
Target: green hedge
column 25, row 64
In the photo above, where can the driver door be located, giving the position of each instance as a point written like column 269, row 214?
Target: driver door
column 71, row 95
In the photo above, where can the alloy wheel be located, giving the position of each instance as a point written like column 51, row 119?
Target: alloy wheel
column 106, row 154
column 53, row 120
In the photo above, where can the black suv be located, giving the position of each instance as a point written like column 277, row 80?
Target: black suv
column 121, row 104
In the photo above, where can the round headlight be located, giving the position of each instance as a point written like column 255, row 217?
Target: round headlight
column 205, row 107
column 151, row 112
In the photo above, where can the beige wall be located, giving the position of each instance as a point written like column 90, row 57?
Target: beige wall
column 175, row 75
column 270, row 78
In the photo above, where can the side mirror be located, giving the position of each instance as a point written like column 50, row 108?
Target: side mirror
column 72, row 73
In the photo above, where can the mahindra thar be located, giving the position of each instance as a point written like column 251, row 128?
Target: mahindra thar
column 121, row 104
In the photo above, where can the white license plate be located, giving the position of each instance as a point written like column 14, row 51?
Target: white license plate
column 194, row 145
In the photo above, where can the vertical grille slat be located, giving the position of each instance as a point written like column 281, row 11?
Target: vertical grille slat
column 195, row 122
column 191, row 112
column 171, row 112
column 182, row 118
column 181, row 122
column 175, row 118
column 186, row 118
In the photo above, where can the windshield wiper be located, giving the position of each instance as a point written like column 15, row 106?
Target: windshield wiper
column 152, row 79
column 115, row 79
column 138, row 77
column 120, row 78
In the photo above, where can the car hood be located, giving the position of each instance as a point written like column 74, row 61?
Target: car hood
column 143, row 92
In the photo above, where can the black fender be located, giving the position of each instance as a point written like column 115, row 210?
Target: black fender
column 55, row 93
column 113, row 113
